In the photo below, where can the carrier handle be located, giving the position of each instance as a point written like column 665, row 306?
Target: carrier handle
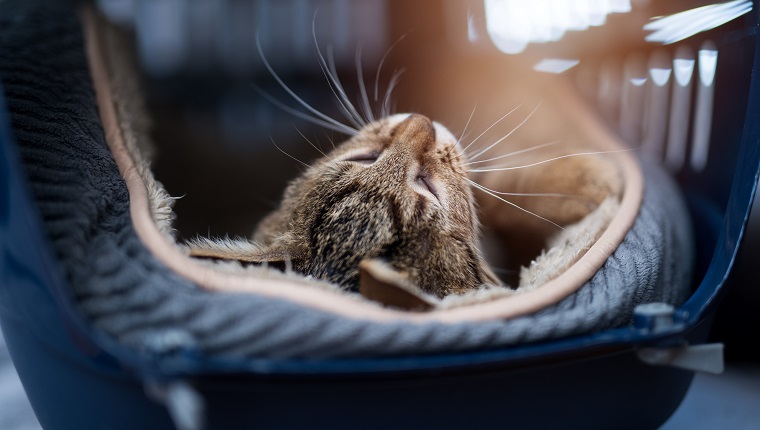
column 706, row 358
column 184, row 403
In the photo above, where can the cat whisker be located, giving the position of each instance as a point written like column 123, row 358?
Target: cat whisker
column 511, row 154
column 310, row 142
column 330, row 139
column 332, row 125
column 382, row 61
column 331, row 63
column 332, row 79
column 559, row 195
column 345, row 110
column 588, row 202
column 386, row 109
column 362, row 88
column 464, row 151
column 507, row 135
column 320, row 119
column 525, row 166
column 495, row 194
column 283, row 151
column 464, row 130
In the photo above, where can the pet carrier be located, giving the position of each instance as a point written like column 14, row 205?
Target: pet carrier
column 109, row 327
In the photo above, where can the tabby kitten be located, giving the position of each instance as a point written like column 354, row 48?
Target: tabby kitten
column 397, row 193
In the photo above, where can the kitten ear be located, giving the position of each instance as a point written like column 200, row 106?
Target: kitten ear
column 241, row 250
column 380, row 282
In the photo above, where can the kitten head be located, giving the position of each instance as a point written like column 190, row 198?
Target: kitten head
column 396, row 191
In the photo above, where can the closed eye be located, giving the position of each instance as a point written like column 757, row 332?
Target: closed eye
column 364, row 158
column 425, row 182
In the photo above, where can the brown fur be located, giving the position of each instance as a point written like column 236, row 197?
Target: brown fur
column 411, row 208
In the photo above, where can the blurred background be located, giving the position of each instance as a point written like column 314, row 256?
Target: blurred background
column 669, row 77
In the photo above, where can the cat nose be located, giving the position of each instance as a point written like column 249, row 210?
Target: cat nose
column 416, row 133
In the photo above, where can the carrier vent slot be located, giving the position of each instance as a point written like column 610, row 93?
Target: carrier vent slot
column 661, row 102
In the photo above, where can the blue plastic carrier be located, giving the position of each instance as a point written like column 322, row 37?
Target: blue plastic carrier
column 77, row 378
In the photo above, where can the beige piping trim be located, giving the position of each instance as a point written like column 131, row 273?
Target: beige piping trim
column 302, row 293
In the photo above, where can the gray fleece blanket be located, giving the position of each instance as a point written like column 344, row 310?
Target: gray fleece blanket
column 129, row 295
